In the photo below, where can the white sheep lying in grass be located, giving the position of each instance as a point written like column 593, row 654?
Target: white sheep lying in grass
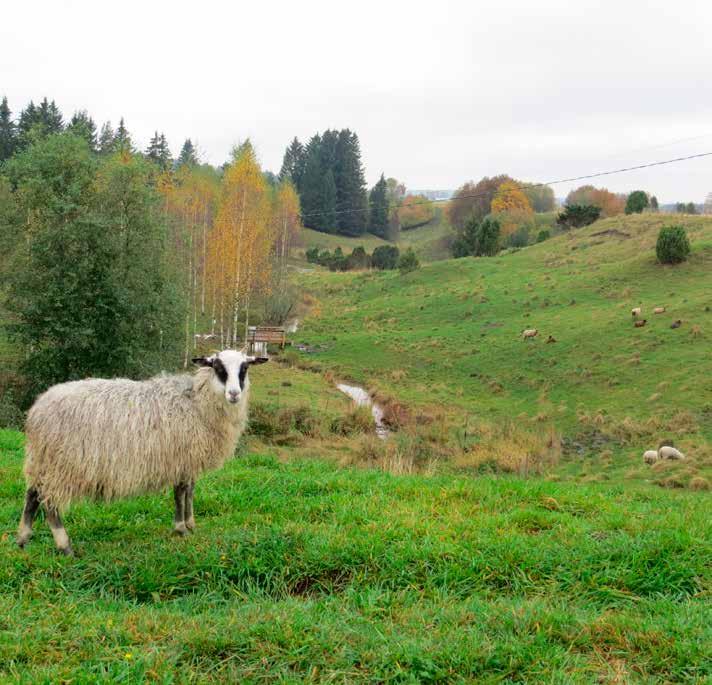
column 106, row 439
column 664, row 452
column 650, row 456
column 667, row 452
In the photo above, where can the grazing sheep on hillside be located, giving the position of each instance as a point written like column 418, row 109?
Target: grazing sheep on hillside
column 676, row 324
column 659, row 310
column 551, row 339
column 530, row 333
column 636, row 311
column 641, row 323
column 650, row 456
column 106, row 439
column 667, row 452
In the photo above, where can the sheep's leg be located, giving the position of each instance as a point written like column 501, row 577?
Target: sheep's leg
column 188, row 510
column 61, row 539
column 179, row 518
column 32, row 505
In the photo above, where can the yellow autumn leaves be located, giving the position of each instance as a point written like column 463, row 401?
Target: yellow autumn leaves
column 233, row 233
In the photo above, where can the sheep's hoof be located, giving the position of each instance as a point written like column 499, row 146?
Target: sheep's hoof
column 190, row 524
column 180, row 530
column 66, row 551
column 22, row 541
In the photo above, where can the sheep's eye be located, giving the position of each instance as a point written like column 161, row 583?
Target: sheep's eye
column 220, row 371
column 243, row 374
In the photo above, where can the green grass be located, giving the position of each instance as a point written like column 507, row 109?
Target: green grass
column 430, row 242
column 451, row 332
column 304, row 572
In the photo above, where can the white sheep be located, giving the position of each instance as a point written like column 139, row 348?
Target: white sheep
column 636, row 311
column 530, row 333
column 650, row 456
column 659, row 310
column 107, row 439
column 667, row 452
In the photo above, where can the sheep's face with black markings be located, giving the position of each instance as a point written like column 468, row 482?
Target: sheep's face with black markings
column 229, row 377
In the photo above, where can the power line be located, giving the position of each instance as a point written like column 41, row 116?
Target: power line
column 524, row 186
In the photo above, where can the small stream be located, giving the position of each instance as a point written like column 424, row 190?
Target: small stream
column 362, row 399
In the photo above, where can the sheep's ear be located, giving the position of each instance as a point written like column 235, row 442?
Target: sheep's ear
column 203, row 361
column 257, row 360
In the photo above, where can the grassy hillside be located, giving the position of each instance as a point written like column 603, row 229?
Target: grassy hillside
column 449, row 336
column 430, row 241
column 304, row 572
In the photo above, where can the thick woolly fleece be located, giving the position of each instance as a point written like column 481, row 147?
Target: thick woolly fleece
column 106, row 439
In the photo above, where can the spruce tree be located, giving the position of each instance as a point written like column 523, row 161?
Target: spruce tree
column 311, row 185
column 293, row 163
column 82, row 125
column 28, row 122
column 122, row 139
column 159, row 152
column 351, row 197
column 327, row 218
column 378, row 209
column 187, row 154
column 106, row 139
column 8, row 133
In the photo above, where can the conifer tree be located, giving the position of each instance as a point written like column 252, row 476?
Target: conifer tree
column 327, row 217
column 378, row 209
column 8, row 132
column 29, row 119
column 106, row 139
column 82, row 125
column 351, row 198
column 292, row 163
column 159, row 152
column 187, row 154
column 311, row 185
column 122, row 139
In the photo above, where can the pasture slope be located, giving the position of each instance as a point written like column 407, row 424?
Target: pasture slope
column 304, row 571
column 447, row 338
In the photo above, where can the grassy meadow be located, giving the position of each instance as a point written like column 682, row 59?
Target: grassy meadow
column 430, row 242
column 445, row 343
column 507, row 531
column 307, row 572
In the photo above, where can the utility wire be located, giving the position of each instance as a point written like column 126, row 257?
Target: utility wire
column 524, row 186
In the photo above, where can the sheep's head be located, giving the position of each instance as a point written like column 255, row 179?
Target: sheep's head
column 229, row 376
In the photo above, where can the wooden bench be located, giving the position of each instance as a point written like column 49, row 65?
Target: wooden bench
column 258, row 337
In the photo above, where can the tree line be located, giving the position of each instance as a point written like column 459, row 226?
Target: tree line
column 117, row 260
column 329, row 177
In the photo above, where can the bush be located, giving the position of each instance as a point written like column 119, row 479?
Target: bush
column 312, row 255
column 385, row 257
column 673, row 246
column 578, row 216
column 543, row 235
column 408, row 262
column 637, row 201
column 520, row 237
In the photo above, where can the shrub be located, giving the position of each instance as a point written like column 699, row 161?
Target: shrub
column 578, row 216
column 385, row 257
column 520, row 237
column 672, row 246
column 637, row 201
column 312, row 255
column 408, row 262
column 543, row 235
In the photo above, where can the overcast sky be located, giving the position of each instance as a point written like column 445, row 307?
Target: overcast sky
column 438, row 92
